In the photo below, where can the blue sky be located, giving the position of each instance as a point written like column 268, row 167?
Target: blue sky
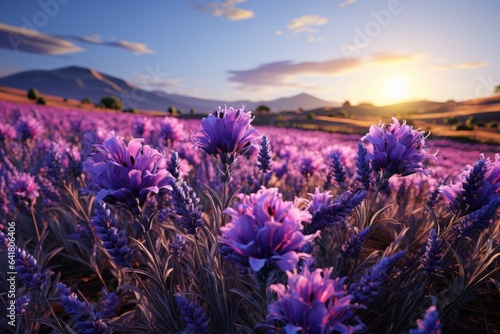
column 380, row 51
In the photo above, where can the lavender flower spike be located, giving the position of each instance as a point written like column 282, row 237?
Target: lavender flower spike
column 112, row 239
column 25, row 190
column 430, row 324
column 29, row 271
column 265, row 155
column 128, row 174
column 432, row 260
column 368, row 286
column 312, row 303
column 84, row 317
column 476, row 187
column 227, row 133
column 186, row 207
column 396, row 149
column 266, row 230
column 196, row 319
column 363, row 167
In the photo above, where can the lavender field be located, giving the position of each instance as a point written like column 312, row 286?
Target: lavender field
column 120, row 223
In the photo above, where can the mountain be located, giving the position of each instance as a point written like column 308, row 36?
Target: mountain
column 78, row 82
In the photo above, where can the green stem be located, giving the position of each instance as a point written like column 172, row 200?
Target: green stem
column 38, row 239
column 53, row 313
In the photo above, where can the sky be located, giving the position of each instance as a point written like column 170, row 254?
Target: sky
column 378, row 51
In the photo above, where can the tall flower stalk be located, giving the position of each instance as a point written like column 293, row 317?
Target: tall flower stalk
column 226, row 134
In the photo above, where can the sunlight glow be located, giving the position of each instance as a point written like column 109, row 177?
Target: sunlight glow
column 396, row 90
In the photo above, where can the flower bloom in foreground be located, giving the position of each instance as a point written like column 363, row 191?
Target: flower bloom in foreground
column 396, row 149
column 312, row 303
column 266, row 230
column 7, row 132
column 227, row 133
column 25, row 189
column 430, row 324
column 476, row 187
column 128, row 174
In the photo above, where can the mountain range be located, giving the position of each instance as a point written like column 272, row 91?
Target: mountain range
column 78, row 82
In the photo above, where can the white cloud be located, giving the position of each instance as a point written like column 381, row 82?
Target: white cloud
column 347, row 3
column 226, row 9
column 32, row 41
column 135, row 47
column 307, row 23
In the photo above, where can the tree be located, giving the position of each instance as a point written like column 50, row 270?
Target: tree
column 497, row 90
column 262, row 109
column 111, row 102
column 346, row 104
column 172, row 110
column 192, row 111
column 87, row 100
column 33, row 94
column 41, row 100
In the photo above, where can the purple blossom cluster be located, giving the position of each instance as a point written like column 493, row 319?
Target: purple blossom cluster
column 190, row 245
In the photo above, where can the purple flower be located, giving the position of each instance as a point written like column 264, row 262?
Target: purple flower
column 29, row 271
column 143, row 127
column 186, row 207
column 363, row 167
column 312, row 303
column 29, row 128
column 310, row 163
column 335, row 213
column 430, row 324
column 433, row 258
column 266, row 230
column 22, row 304
column 25, row 190
column 396, row 149
column 174, row 166
column 54, row 164
column 108, row 304
column 128, row 174
column 336, row 169
column 265, row 156
column 171, row 130
column 476, row 186
column 479, row 220
column 196, row 320
column 112, row 239
column 355, row 240
column 177, row 246
column 7, row 132
column 84, row 317
column 369, row 285
column 227, row 133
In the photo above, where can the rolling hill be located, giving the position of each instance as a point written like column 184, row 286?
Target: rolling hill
column 78, row 82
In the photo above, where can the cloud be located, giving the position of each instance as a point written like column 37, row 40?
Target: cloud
column 283, row 73
column 136, row 48
column 32, row 41
column 226, row 9
column 468, row 65
column 347, row 3
column 157, row 83
column 307, row 23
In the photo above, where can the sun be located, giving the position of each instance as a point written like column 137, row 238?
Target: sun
column 395, row 90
